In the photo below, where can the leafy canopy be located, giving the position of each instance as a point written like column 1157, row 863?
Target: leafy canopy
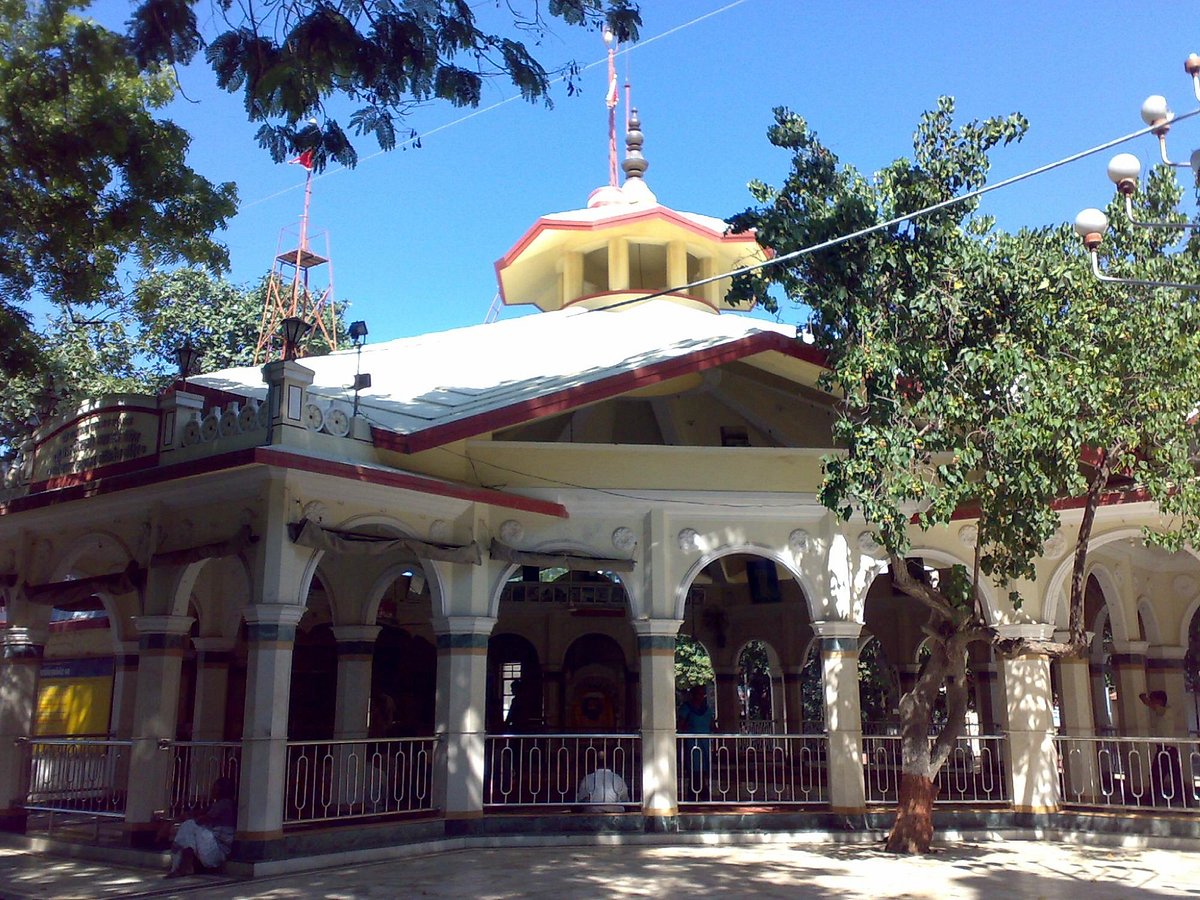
column 291, row 58
column 93, row 181
column 978, row 368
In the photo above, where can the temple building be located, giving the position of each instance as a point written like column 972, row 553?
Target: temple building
column 435, row 606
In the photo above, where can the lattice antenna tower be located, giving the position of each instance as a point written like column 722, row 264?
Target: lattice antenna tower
column 301, row 282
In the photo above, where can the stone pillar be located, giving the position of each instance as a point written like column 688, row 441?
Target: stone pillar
column 161, row 646
column 1029, row 724
column 1079, row 758
column 462, row 643
column 20, row 664
column 989, row 698
column 552, row 686
column 1129, row 671
column 1103, row 712
column 213, row 655
column 843, row 714
column 355, row 654
column 125, row 667
column 793, row 695
column 270, row 639
column 729, row 710
column 1164, row 672
column 660, row 784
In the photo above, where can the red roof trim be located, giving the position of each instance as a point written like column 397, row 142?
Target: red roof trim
column 419, row 483
column 591, row 392
column 85, row 485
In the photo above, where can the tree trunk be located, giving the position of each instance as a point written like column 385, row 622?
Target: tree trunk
column 912, row 832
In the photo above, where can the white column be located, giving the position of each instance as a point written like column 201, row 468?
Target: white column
column 1029, row 725
column 161, row 644
column 355, row 653
column 728, row 708
column 20, row 664
column 1164, row 672
column 270, row 636
column 1079, row 757
column 213, row 655
column 461, row 702
column 660, row 785
column 1129, row 671
column 843, row 714
column 125, row 666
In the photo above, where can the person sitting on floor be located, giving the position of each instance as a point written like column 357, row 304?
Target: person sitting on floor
column 206, row 840
column 603, row 787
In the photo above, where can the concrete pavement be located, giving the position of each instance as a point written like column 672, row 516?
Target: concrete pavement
column 993, row 870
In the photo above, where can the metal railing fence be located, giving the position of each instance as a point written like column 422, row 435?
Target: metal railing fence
column 551, row 770
column 1129, row 772
column 355, row 779
column 973, row 774
column 753, row 769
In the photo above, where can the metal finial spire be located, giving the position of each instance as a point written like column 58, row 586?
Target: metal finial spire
column 635, row 164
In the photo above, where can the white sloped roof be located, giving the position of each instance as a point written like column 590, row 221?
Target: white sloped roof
column 432, row 380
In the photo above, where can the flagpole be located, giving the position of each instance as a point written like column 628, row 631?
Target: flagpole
column 611, row 99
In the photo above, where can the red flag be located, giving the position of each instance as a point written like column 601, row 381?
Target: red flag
column 304, row 159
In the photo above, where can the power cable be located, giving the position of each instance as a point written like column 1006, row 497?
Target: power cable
column 906, row 217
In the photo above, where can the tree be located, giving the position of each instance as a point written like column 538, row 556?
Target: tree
column 292, row 59
column 980, row 372
column 132, row 349
column 693, row 666
column 94, row 183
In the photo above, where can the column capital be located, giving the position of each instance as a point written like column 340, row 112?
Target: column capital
column 172, row 625
column 1166, row 651
column 355, row 634
column 837, row 628
column 464, row 625
column 1063, row 636
column 657, row 627
column 20, row 636
column 213, row 644
column 1131, row 648
column 1029, row 631
column 273, row 614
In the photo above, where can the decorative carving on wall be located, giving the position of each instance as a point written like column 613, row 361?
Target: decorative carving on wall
column 968, row 534
column 1055, row 546
column 689, row 540
column 868, row 544
column 314, row 510
column 799, row 541
column 439, row 531
column 624, row 540
column 511, row 531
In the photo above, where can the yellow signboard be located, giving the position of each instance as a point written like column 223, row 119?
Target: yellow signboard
column 74, row 697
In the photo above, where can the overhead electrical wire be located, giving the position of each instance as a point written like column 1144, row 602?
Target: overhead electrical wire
column 906, row 217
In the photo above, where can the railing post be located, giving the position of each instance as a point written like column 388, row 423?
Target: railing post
column 660, row 785
column 161, row 642
column 843, row 716
column 20, row 663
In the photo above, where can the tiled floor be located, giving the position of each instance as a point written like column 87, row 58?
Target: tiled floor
column 990, row 871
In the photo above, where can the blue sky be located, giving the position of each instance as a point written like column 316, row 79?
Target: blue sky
column 415, row 233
